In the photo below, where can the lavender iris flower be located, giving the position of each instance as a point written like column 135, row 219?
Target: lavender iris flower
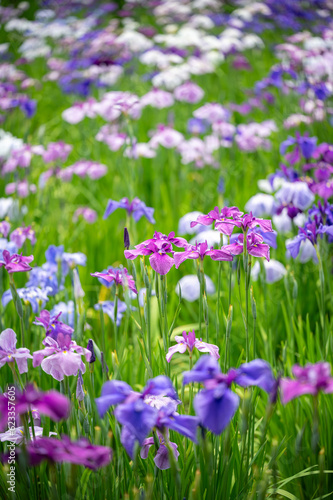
column 62, row 357
column 9, row 353
column 4, row 228
column 308, row 380
column 310, row 232
column 33, row 295
column 187, row 342
column 17, row 435
column 216, row 404
column 21, row 234
column 136, row 208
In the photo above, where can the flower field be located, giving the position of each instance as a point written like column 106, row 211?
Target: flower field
column 166, row 230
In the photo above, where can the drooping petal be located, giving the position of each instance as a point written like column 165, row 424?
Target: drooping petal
column 215, row 408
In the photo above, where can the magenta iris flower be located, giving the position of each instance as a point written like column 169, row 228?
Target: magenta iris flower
column 51, row 403
column 9, row 353
column 187, row 342
column 119, row 277
column 308, row 380
column 221, row 218
column 136, row 208
column 15, row 263
column 80, row 452
column 255, row 246
column 62, row 357
column 158, row 249
column 199, row 251
column 217, row 403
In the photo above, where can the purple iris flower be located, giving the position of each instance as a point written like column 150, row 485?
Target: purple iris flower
column 303, row 145
column 199, row 251
column 53, row 326
column 161, row 458
column 15, row 263
column 155, row 407
column 62, row 357
column 4, row 228
column 310, row 231
column 216, row 404
column 295, row 196
column 119, row 277
column 46, row 278
column 50, row 403
column 187, row 342
column 80, row 452
column 254, row 243
column 222, row 218
column 9, row 353
column 136, row 208
column 308, row 380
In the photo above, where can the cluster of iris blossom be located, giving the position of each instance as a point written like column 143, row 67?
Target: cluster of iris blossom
column 160, row 246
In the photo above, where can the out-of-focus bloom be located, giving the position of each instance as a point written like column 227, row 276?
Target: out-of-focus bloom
column 108, row 307
column 87, row 213
column 303, row 145
column 136, row 208
column 15, row 263
column 188, row 342
column 4, row 228
column 189, row 92
column 66, row 311
column 216, row 404
column 119, row 277
column 56, row 151
column 308, row 380
column 17, row 435
column 212, row 112
column 21, row 234
column 32, row 295
column 9, row 353
column 189, row 287
column 158, row 99
column 80, row 452
column 62, row 357
column 50, row 403
column 184, row 224
column 274, row 271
